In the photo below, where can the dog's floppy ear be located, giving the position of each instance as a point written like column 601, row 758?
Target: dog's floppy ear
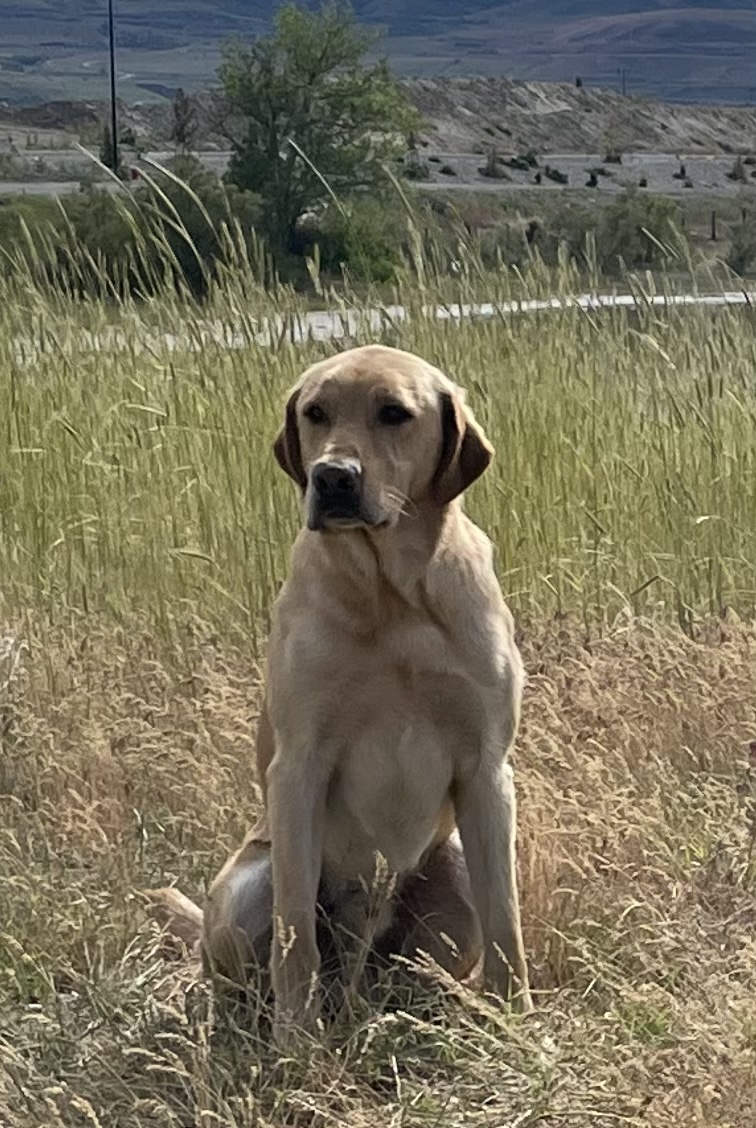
column 465, row 450
column 286, row 447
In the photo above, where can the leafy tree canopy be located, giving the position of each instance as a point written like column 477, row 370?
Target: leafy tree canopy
column 315, row 119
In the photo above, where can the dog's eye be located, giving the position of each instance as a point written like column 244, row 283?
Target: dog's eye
column 393, row 415
column 315, row 414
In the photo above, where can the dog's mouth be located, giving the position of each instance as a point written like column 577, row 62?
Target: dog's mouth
column 341, row 518
column 339, row 514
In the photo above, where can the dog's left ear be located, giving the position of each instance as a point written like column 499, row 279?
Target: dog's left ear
column 286, row 448
column 465, row 450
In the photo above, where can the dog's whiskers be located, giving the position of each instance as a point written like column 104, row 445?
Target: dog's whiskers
column 400, row 503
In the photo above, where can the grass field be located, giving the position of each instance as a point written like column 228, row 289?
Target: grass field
column 143, row 532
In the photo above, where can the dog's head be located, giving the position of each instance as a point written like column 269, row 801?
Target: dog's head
column 374, row 432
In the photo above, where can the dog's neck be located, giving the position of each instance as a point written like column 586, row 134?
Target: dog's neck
column 367, row 561
column 404, row 552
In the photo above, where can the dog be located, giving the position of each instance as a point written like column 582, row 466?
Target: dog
column 393, row 692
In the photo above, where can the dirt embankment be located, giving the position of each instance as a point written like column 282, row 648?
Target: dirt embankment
column 466, row 114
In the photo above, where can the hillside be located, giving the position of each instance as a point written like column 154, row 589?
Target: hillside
column 466, row 115
column 680, row 49
column 462, row 116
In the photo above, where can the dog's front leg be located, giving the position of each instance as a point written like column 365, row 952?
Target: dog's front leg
column 487, row 820
column 296, row 808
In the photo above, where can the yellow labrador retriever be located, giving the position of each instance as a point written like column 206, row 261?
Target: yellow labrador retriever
column 392, row 699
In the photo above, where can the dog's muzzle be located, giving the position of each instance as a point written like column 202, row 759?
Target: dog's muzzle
column 336, row 495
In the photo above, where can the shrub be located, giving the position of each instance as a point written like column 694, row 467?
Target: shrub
column 523, row 162
column 515, row 241
column 416, row 170
column 362, row 235
column 174, row 217
column 612, row 147
column 493, row 167
column 555, row 175
column 742, row 253
column 189, row 209
column 34, row 212
column 633, row 231
column 737, row 172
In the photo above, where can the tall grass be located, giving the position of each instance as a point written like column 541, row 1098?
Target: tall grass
column 141, row 476
column 143, row 532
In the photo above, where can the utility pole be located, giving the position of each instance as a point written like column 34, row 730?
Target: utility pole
column 113, row 114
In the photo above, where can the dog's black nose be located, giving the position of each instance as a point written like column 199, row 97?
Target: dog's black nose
column 336, row 481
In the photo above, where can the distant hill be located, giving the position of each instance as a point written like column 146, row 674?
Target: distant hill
column 687, row 50
column 464, row 118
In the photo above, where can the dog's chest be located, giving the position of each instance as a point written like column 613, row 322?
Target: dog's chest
column 413, row 722
column 410, row 702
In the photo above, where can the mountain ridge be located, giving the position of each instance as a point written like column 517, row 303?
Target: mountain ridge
column 683, row 50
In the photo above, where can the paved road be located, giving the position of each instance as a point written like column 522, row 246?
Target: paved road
column 38, row 187
column 661, row 171
column 346, row 325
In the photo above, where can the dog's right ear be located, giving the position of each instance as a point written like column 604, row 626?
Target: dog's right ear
column 286, row 448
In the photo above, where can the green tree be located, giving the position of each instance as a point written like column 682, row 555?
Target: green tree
column 311, row 113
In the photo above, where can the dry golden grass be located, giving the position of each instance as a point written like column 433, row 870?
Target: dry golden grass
column 127, row 761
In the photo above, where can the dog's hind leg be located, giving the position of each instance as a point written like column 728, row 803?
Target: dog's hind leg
column 435, row 914
column 238, row 916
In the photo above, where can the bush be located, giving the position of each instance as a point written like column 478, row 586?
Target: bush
column 174, row 221
column 515, row 241
column 633, row 230
column 363, row 236
column 612, row 147
column 416, row 170
column 618, row 231
column 124, row 242
column 742, row 253
column 737, row 172
column 555, row 175
column 523, row 162
column 203, row 206
column 493, row 168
